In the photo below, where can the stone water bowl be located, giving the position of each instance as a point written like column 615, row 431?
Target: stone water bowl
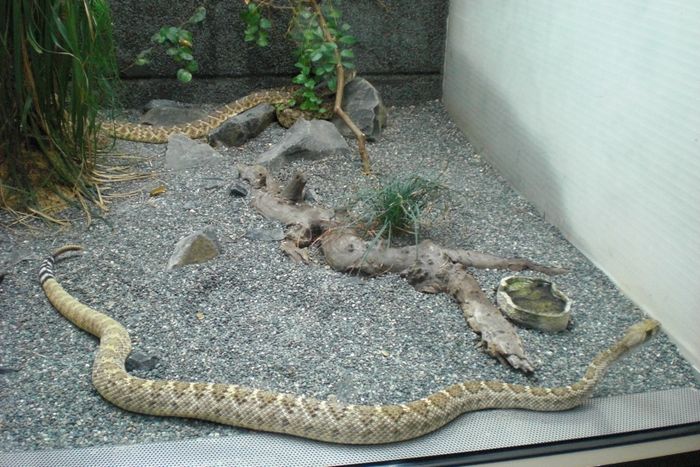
column 535, row 303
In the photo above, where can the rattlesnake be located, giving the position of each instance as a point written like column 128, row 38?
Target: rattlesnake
column 329, row 421
column 203, row 126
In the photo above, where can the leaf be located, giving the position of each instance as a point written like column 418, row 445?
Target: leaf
column 316, row 56
column 171, row 34
column 265, row 23
column 192, row 66
column 158, row 37
column 157, row 191
column 184, row 75
column 172, row 51
column 263, row 40
column 348, row 65
column 185, row 55
column 140, row 61
column 184, row 34
column 347, row 40
column 347, row 53
column 199, row 14
column 332, row 84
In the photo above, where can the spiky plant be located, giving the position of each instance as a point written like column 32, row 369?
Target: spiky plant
column 395, row 208
column 58, row 66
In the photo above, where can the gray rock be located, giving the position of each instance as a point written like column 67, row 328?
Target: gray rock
column 198, row 247
column 312, row 140
column 272, row 234
column 243, row 127
column 238, row 189
column 185, row 153
column 165, row 112
column 311, row 196
column 140, row 361
column 362, row 102
column 212, row 183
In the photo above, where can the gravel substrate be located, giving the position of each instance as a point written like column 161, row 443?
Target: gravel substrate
column 252, row 316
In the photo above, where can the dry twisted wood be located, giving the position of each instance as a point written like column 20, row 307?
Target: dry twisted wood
column 307, row 417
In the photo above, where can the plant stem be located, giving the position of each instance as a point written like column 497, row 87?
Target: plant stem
column 337, row 106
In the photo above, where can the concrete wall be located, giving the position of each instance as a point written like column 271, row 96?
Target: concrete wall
column 400, row 49
column 592, row 111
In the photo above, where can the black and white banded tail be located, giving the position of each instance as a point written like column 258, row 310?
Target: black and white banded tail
column 46, row 269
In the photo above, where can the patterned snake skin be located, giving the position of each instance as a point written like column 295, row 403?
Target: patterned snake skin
column 329, row 421
column 200, row 128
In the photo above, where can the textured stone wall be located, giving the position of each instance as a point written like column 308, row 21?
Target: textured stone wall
column 400, row 49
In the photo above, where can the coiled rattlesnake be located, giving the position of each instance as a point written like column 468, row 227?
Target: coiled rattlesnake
column 307, row 417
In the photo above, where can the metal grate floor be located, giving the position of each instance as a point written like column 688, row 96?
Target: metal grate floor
column 472, row 432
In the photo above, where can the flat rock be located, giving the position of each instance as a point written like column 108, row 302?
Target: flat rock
column 312, row 140
column 271, row 234
column 185, row 153
column 243, row 127
column 238, row 189
column 195, row 248
column 362, row 102
column 138, row 360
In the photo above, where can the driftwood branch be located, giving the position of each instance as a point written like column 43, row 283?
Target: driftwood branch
column 427, row 266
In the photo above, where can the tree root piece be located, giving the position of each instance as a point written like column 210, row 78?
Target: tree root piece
column 427, row 266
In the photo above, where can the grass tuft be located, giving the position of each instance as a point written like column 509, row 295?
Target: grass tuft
column 396, row 207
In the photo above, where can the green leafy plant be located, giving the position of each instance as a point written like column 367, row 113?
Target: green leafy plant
column 322, row 54
column 257, row 27
column 59, row 68
column 322, row 42
column 178, row 44
column 396, row 207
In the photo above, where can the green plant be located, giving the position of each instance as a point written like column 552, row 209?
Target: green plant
column 322, row 53
column 59, row 67
column 322, row 43
column 178, row 43
column 396, row 207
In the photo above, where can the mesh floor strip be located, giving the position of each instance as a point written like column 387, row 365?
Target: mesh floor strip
column 476, row 431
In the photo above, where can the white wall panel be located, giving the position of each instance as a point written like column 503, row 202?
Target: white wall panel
column 591, row 109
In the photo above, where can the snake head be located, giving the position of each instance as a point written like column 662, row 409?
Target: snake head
column 640, row 332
